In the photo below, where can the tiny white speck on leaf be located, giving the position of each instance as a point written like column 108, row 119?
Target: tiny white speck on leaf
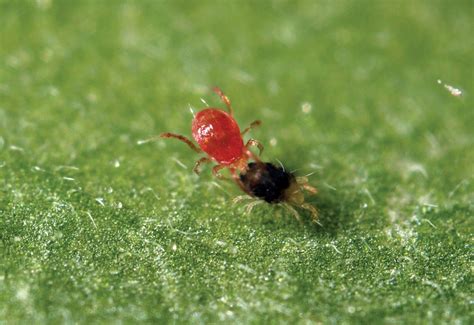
column 100, row 201
column 15, row 148
column 330, row 186
column 66, row 167
column 176, row 160
column 335, row 248
column 456, row 92
column 221, row 243
column 191, row 109
column 91, row 219
column 273, row 142
column 367, row 192
column 204, row 102
column 143, row 141
column 306, row 107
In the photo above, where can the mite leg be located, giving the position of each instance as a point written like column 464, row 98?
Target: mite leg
column 253, row 125
column 310, row 189
column 224, row 98
column 241, row 198
column 303, row 182
column 293, row 212
column 314, row 212
column 250, row 154
column 203, row 160
column 181, row 138
column 249, row 207
column 239, row 183
column 253, row 142
column 216, row 173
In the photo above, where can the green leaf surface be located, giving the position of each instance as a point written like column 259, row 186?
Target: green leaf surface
column 95, row 228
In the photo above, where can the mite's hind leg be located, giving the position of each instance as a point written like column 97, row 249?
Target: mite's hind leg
column 239, row 183
column 293, row 212
column 242, row 198
column 224, row 98
column 203, row 160
column 181, row 138
column 249, row 207
column 216, row 171
column 303, row 183
column 253, row 142
column 314, row 212
column 253, row 125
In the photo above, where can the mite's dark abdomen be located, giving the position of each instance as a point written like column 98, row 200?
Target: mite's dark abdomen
column 266, row 181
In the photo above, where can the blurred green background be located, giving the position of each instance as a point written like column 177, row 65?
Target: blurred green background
column 94, row 227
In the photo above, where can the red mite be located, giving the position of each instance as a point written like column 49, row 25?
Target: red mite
column 219, row 136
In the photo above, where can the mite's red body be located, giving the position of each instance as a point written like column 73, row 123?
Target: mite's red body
column 218, row 134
